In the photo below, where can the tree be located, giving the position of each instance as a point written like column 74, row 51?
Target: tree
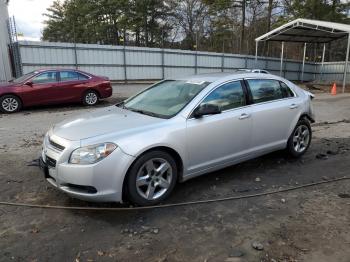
column 106, row 21
column 334, row 10
column 192, row 17
column 206, row 25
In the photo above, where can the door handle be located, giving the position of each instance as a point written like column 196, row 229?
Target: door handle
column 244, row 116
column 293, row 106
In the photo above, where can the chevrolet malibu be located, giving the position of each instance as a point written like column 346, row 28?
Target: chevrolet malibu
column 53, row 86
column 175, row 130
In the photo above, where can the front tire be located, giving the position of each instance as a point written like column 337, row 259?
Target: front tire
column 90, row 98
column 151, row 178
column 10, row 104
column 300, row 139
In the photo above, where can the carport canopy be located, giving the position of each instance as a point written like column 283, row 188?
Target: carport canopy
column 308, row 31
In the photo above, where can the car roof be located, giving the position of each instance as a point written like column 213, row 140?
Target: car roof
column 220, row 76
column 60, row 69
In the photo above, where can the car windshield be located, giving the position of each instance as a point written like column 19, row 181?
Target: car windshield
column 24, row 77
column 166, row 98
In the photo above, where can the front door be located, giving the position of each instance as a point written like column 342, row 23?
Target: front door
column 216, row 140
column 42, row 90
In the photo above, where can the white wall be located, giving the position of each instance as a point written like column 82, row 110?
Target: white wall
column 5, row 71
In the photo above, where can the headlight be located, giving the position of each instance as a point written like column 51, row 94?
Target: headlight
column 91, row 154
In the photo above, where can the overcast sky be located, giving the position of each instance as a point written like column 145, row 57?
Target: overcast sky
column 29, row 16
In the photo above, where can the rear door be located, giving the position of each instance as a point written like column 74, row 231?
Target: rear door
column 42, row 90
column 71, row 85
column 274, row 108
column 215, row 140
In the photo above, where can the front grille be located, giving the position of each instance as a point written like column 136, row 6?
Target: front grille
column 56, row 146
column 50, row 162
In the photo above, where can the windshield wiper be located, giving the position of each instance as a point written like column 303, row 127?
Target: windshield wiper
column 121, row 104
column 142, row 112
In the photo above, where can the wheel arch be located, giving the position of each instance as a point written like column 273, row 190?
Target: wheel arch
column 91, row 89
column 295, row 121
column 13, row 94
column 307, row 116
column 169, row 150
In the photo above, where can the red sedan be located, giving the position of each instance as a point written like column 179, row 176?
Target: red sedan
column 53, row 86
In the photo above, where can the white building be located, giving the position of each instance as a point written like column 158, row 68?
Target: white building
column 5, row 70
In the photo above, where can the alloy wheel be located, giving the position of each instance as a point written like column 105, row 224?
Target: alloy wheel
column 91, row 98
column 154, row 178
column 10, row 104
column 301, row 138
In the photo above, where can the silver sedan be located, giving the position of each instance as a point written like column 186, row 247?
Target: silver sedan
column 175, row 130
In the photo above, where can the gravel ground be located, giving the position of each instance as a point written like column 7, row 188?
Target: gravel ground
column 311, row 224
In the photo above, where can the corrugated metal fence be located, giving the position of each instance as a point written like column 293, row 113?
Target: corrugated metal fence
column 139, row 63
column 332, row 71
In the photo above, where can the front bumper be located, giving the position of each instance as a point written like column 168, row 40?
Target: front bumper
column 99, row 182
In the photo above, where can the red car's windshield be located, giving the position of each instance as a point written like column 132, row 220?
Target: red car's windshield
column 24, row 77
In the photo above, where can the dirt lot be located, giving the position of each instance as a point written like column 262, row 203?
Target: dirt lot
column 311, row 224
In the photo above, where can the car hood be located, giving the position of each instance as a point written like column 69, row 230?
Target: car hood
column 102, row 121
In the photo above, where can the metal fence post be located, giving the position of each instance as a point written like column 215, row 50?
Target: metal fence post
column 75, row 55
column 124, row 65
column 281, row 63
column 163, row 66
column 322, row 63
column 195, row 63
column 303, row 65
column 256, row 53
column 346, row 63
column 222, row 62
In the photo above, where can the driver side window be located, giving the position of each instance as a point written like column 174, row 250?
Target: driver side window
column 227, row 96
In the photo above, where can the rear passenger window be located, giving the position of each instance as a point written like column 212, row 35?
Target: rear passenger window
column 71, row 76
column 264, row 90
column 227, row 96
column 286, row 90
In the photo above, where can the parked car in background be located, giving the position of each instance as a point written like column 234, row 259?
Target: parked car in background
column 175, row 130
column 259, row 71
column 53, row 86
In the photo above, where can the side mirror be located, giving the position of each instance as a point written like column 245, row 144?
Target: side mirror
column 29, row 83
column 206, row 109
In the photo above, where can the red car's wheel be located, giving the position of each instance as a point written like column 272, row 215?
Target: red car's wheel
column 90, row 98
column 10, row 104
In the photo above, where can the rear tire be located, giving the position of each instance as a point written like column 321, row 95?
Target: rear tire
column 151, row 178
column 90, row 98
column 10, row 104
column 300, row 139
